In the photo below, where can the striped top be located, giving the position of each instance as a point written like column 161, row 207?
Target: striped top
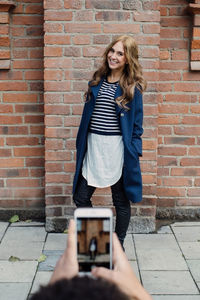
column 104, row 120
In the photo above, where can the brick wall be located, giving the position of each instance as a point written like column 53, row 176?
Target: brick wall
column 178, row 142
column 21, row 114
column 76, row 34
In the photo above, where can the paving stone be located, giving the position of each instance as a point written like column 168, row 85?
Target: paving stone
column 185, row 224
column 157, row 241
column 177, row 297
column 20, row 271
column 56, row 241
column 194, row 266
column 161, row 259
column 25, row 234
column 187, row 234
column 134, row 266
column 27, row 224
column 41, row 278
column 191, row 250
column 14, row 291
column 24, row 250
column 129, row 247
column 51, row 260
column 164, row 229
column 3, row 227
column 169, row 282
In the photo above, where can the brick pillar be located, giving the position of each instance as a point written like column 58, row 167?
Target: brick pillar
column 76, row 34
column 194, row 9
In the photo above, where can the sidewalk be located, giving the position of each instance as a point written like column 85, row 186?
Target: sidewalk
column 167, row 263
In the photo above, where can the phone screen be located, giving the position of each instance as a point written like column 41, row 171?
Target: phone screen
column 93, row 243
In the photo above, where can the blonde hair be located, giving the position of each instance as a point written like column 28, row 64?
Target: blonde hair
column 131, row 75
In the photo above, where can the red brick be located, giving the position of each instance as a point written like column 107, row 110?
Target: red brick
column 190, row 161
column 37, row 129
column 58, row 155
column 173, row 109
column 27, row 64
column 54, row 144
column 151, row 28
column 22, row 182
column 6, row 108
column 29, row 151
column 191, row 120
column 53, row 75
column 34, row 162
column 195, row 44
column 69, row 167
column 172, row 65
column 168, row 76
column 104, row 4
column 186, row 87
column 72, row 51
column 73, row 98
column 148, row 16
column 20, row 42
column 175, row 22
column 57, row 86
column 53, row 28
column 112, row 16
column 4, row 29
column 10, row 119
column 176, row 43
column 170, row 192
column 52, row 15
column 54, row 190
column 27, row 20
column 19, row 98
column 55, row 132
column 29, row 193
column 4, row 54
column 194, row 151
column 193, row 192
column 195, row 109
column 196, row 32
column 21, row 141
column 35, row 9
column 58, row 63
column 34, row 75
column 12, row 162
column 36, row 53
column 51, row 4
column 57, row 40
column 81, row 40
column 167, row 33
column 179, row 140
column 195, row 55
column 53, row 121
column 172, row 151
column 82, row 28
column 180, row 55
column 164, row 55
column 83, row 15
column 72, row 4
column 121, row 28
column 181, row 98
column 53, row 51
column 4, row 41
column 54, row 167
column 59, row 178
column 196, row 20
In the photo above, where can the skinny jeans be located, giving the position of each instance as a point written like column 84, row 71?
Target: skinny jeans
column 82, row 198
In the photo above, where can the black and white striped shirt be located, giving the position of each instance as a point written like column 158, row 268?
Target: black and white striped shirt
column 104, row 120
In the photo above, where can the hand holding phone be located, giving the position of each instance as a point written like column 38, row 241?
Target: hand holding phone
column 94, row 238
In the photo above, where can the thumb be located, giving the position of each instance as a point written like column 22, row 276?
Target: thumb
column 102, row 272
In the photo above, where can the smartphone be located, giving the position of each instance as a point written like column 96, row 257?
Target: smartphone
column 94, row 238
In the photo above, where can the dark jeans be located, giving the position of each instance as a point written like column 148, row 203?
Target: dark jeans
column 82, row 198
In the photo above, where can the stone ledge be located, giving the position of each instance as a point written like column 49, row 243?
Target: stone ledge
column 7, row 5
column 137, row 224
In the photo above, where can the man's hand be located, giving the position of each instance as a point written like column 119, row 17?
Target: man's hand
column 122, row 275
column 67, row 265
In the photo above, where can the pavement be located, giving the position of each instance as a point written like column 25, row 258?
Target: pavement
column 167, row 262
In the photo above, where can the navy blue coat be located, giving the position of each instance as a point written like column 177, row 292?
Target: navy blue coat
column 131, row 128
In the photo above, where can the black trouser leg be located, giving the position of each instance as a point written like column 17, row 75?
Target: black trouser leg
column 123, row 210
column 83, row 193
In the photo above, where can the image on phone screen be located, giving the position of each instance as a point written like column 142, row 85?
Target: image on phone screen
column 93, row 243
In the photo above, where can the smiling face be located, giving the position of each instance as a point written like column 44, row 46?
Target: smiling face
column 116, row 58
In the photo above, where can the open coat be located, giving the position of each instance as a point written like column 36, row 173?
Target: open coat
column 131, row 127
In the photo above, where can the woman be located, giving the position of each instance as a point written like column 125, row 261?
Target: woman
column 109, row 137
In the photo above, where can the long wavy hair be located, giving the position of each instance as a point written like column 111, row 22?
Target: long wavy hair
column 131, row 75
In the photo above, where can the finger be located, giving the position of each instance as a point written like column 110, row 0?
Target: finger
column 71, row 240
column 102, row 272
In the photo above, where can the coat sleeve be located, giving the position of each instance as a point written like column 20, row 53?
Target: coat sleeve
column 137, row 128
